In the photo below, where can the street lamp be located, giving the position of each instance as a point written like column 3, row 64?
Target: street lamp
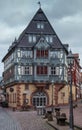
column 52, row 94
column 70, row 59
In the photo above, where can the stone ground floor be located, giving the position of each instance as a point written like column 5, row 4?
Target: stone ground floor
column 38, row 95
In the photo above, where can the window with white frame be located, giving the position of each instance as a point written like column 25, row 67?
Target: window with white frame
column 61, row 70
column 61, row 54
column 40, row 25
column 32, row 38
column 53, row 70
column 18, row 53
column 29, row 54
column 26, row 54
column 19, row 70
column 54, row 54
column 49, row 38
column 25, row 70
column 57, row 70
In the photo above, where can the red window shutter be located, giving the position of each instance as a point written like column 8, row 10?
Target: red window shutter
column 46, row 70
column 46, row 53
column 42, row 53
column 41, row 70
column 37, row 69
column 38, row 53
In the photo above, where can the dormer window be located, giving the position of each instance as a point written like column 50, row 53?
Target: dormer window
column 40, row 25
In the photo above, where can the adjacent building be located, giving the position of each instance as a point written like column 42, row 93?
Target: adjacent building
column 75, row 73
column 35, row 67
column 2, row 93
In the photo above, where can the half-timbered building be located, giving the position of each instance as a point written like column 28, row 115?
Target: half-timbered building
column 35, row 67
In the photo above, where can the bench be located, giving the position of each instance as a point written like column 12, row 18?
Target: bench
column 57, row 109
column 61, row 119
column 49, row 115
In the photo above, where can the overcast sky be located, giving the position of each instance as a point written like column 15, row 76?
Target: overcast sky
column 64, row 15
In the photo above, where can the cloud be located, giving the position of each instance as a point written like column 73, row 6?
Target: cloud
column 8, row 33
column 64, row 8
column 16, row 12
column 64, row 15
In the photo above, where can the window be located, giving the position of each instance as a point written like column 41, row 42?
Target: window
column 19, row 53
column 61, row 70
column 26, row 87
column 40, row 25
column 29, row 54
column 42, row 53
column 39, row 99
column 26, row 54
column 62, row 95
column 54, row 54
column 57, row 70
column 19, row 70
column 32, row 38
column 14, row 97
column 42, row 70
column 25, row 70
column 53, row 70
column 49, row 39
column 61, row 54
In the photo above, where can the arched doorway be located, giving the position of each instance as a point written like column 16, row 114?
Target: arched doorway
column 39, row 99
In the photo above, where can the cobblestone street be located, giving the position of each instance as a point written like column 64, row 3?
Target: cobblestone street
column 10, row 120
column 7, row 122
column 31, row 121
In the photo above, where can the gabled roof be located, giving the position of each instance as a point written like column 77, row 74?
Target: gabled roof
column 32, row 29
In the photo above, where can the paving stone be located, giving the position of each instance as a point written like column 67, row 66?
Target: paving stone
column 29, row 120
column 7, row 122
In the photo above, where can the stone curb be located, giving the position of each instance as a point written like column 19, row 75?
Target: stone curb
column 52, row 126
column 79, row 128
